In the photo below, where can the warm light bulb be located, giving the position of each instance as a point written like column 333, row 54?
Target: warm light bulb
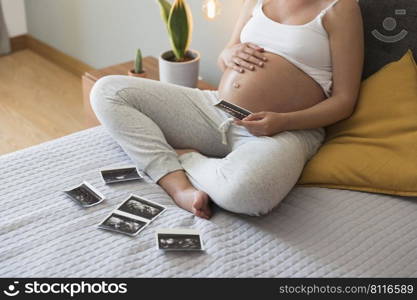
column 211, row 8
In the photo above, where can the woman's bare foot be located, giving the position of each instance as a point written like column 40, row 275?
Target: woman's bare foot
column 195, row 201
column 183, row 151
column 184, row 194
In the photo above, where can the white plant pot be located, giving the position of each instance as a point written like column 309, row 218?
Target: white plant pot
column 181, row 73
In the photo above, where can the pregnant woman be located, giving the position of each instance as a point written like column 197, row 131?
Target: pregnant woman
column 295, row 64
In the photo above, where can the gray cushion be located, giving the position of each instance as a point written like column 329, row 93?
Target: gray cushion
column 390, row 28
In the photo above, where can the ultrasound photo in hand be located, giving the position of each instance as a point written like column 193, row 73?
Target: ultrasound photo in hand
column 233, row 110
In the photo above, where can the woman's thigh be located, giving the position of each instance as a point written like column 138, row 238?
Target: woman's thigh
column 185, row 116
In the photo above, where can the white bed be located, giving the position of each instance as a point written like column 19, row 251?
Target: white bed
column 315, row 232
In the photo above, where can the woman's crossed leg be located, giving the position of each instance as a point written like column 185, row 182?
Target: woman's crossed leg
column 150, row 119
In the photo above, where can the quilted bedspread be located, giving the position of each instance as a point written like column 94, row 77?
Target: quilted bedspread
column 314, row 232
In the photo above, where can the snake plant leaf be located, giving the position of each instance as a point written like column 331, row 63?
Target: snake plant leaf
column 180, row 28
column 190, row 26
column 165, row 7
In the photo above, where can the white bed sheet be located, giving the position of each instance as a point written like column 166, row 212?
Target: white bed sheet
column 315, row 232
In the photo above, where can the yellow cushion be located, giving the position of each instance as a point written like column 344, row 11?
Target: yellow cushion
column 374, row 150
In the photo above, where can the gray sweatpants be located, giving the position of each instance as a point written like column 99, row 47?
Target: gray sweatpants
column 241, row 173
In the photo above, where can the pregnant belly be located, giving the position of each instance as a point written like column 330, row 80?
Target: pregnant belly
column 279, row 87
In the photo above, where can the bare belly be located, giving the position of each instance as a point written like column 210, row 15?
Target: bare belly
column 279, row 87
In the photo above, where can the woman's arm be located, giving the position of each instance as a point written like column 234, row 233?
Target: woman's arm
column 345, row 28
column 344, row 25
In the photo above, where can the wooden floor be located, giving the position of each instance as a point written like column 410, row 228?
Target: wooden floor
column 39, row 101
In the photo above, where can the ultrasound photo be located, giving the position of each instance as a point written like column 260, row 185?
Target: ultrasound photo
column 233, row 110
column 179, row 242
column 178, row 239
column 85, row 195
column 143, row 208
column 122, row 224
column 120, row 175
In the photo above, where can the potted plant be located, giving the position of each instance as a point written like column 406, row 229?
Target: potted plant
column 180, row 65
column 138, row 70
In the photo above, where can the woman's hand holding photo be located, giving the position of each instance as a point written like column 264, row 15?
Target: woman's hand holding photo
column 264, row 123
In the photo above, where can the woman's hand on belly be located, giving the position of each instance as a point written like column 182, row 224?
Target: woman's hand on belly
column 243, row 56
column 264, row 123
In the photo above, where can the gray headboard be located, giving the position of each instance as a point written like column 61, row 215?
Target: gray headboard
column 390, row 28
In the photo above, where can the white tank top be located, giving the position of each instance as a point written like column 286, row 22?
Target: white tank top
column 306, row 46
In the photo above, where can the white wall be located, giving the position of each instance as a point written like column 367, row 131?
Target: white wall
column 106, row 32
column 15, row 15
